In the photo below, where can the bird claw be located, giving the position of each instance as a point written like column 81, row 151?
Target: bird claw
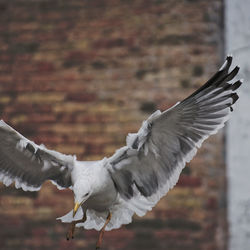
column 70, row 233
column 68, row 237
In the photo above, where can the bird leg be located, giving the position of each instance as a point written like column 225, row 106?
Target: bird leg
column 71, row 230
column 99, row 242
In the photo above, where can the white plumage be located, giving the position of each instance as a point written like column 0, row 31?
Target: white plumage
column 137, row 175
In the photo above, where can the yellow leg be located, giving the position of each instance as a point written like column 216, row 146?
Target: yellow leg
column 99, row 242
column 71, row 230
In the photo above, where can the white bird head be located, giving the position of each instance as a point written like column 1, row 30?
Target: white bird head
column 82, row 192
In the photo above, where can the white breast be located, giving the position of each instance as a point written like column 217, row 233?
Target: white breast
column 104, row 192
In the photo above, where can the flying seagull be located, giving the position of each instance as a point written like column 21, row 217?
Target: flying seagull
column 108, row 192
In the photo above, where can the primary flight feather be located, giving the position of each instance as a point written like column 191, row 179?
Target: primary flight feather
column 108, row 192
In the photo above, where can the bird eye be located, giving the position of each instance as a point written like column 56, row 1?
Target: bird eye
column 86, row 194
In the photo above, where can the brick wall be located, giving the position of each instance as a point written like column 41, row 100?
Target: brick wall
column 78, row 76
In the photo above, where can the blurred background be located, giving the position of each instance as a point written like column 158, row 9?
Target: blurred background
column 79, row 75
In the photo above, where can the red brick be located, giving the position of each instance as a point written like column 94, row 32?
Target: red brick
column 189, row 181
column 212, row 203
column 93, row 149
column 81, row 97
column 76, row 58
column 45, row 67
column 168, row 233
column 39, row 232
column 44, row 118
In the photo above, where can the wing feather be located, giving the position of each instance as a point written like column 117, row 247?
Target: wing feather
column 150, row 164
column 29, row 165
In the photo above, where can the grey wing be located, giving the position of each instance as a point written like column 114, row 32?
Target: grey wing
column 29, row 165
column 150, row 164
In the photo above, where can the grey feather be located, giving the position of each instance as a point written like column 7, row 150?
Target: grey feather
column 167, row 140
column 29, row 165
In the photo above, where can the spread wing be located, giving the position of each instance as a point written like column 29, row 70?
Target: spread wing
column 29, row 165
column 150, row 164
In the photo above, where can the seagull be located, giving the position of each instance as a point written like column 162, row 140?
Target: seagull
column 108, row 192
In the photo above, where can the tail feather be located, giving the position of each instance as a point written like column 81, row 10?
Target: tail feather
column 67, row 218
column 120, row 214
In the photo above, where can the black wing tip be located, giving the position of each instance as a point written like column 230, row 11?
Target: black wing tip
column 221, row 79
column 229, row 59
column 226, row 65
column 233, row 73
column 234, row 97
column 236, row 85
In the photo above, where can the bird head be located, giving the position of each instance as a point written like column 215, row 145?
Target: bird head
column 82, row 192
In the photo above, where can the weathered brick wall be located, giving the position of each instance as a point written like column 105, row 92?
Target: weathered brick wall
column 78, row 76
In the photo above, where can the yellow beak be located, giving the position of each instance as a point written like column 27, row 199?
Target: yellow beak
column 77, row 205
